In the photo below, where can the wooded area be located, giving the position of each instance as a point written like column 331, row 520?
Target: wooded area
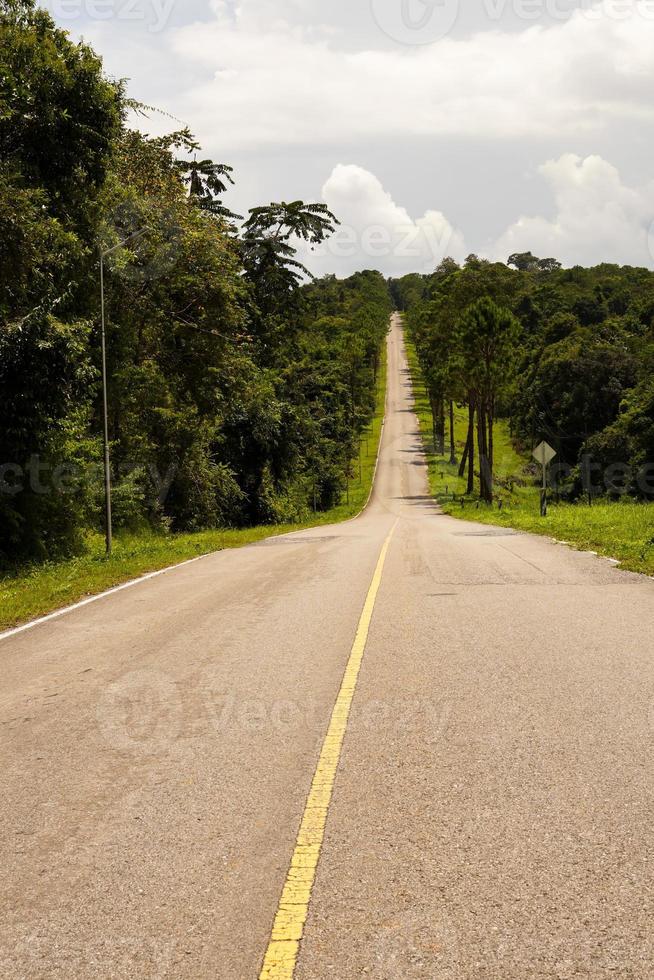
column 237, row 388
column 566, row 355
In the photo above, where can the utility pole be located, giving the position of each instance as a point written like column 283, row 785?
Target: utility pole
column 105, row 397
column 105, row 416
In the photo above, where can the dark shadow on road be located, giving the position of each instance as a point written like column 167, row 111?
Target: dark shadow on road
column 425, row 502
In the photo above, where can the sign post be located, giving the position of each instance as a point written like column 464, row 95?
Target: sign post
column 544, row 454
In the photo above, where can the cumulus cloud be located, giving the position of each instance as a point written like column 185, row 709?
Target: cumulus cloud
column 271, row 79
column 598, row 217
column 277, row 87
column 377, row 233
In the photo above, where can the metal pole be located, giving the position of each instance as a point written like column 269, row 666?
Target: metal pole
column 105, row 411
column 105, row 406
column 543, row 499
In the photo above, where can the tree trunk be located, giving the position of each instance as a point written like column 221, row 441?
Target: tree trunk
column 485, row 489
column 434, row 423
column 491, row 441
column 491, row 457
column 471, row 447
column 441, row 426
column 452, row 436
column 464, row 460
column 480, row 448
column 491, row 448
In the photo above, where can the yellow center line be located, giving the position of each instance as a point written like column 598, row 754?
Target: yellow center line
column 284, row 946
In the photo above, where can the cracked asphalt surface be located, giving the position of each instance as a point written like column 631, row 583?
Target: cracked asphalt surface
column 492, row 814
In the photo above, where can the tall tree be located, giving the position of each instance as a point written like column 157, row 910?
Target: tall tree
column 59, row 118
column 486, row 337
column 269, row 251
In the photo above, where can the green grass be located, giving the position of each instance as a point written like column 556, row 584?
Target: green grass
column 43, row 588
column 622, row 530
column 511, row 473
column 36, row 591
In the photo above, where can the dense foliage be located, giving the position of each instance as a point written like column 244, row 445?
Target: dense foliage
column 567, row 355
column 236, row 389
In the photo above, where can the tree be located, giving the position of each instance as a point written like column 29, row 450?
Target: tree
column 238, row 386
column 59, row 117
column 575, row 389
column 176, row 323
column 45, row 378
column 526, row 262
column 580, row 372
column 269, row 255
column 523, row 261
column 59, row 113
column 207, row 181
column 486, row 338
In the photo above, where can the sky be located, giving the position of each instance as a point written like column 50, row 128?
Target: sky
column 429, row 127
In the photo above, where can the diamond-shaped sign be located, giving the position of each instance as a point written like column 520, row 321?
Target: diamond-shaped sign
column 544, row 454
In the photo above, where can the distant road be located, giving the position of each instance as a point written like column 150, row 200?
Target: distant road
column 491, row 814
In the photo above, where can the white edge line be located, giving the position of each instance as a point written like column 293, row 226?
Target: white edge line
column 101, row 595
column 163, row 571
column 171, row 568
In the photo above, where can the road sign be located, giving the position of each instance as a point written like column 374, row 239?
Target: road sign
column 544, row 454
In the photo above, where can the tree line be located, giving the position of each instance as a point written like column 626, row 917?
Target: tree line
column 237, row 387
column 565, row 355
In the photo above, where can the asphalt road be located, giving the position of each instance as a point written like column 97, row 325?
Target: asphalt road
column 492, row 813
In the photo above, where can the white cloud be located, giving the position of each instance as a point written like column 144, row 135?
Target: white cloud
column 598, row 218
column 273, row 79
column 284, row 88
column 377, row 233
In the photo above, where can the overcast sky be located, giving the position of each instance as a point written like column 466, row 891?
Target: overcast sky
column 431, row 127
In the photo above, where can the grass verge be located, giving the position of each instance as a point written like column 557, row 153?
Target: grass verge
column 622, row 530
column 41, row 589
